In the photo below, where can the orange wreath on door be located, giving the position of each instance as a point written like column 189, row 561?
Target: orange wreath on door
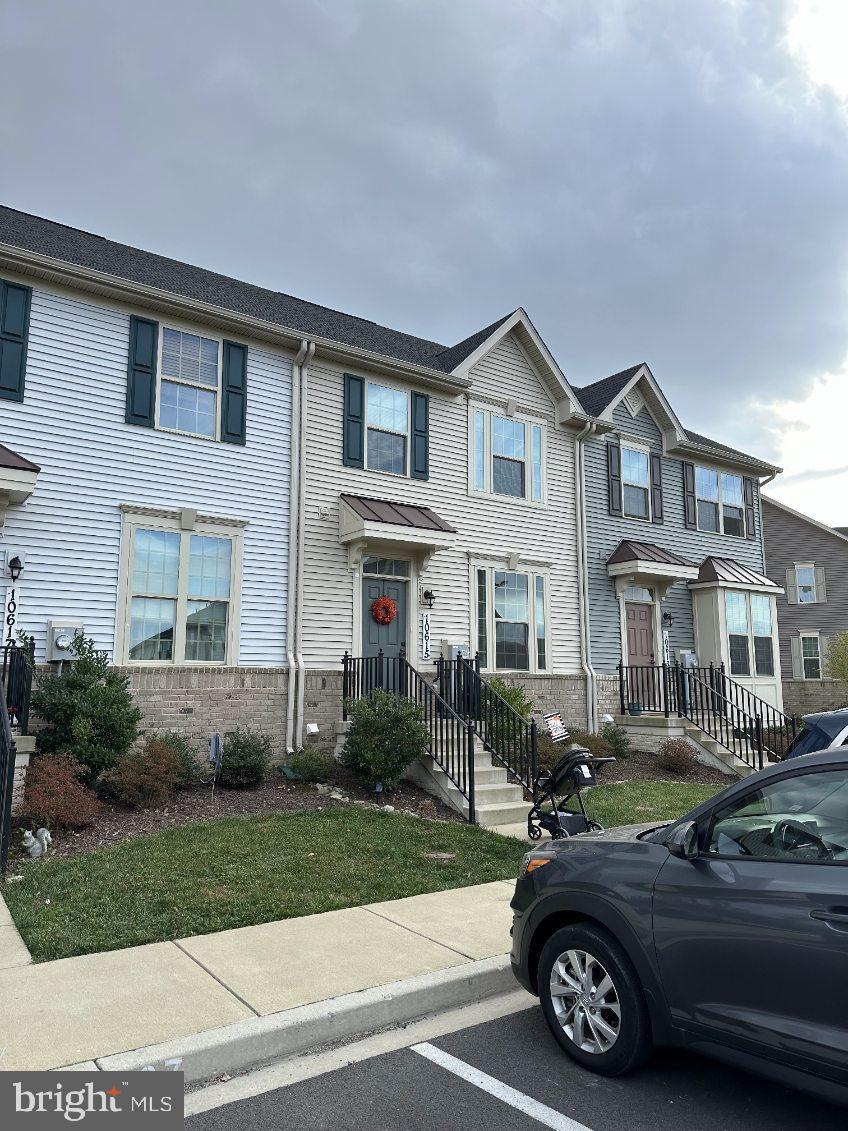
column 383, row 610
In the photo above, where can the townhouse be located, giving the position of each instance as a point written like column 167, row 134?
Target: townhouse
column 229, row 489
column 810, row 561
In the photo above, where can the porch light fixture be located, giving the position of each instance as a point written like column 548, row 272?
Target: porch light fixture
column 430, row 597
column 15, row 567
column 668, row 620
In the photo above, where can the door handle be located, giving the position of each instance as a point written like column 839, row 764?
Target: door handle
column 828, row 915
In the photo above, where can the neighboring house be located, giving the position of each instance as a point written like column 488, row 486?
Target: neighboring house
column 810, row 560
column 675, row 566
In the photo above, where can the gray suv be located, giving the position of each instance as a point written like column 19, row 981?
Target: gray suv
column 726, row 931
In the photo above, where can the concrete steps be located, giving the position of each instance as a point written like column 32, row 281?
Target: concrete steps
column 648, row 731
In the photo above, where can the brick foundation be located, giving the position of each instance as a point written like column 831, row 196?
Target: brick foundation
column 805, row 696
column 195, row 702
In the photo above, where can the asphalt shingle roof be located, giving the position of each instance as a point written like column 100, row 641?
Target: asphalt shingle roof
column 83, row 249
column 597, row 396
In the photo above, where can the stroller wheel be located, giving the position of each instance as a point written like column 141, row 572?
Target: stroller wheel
column 534, row 832
column 595, row 827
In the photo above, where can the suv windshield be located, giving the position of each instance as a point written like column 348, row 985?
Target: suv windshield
column 808, row 741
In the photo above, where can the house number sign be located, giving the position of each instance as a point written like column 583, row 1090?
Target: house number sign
column 425, row 636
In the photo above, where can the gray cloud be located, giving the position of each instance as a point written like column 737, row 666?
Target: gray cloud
column 652, row 180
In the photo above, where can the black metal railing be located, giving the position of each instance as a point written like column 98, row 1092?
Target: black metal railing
column 731, row 714
column 18, row 662
column 510, row 738
column 7, row 781
column 452, row 737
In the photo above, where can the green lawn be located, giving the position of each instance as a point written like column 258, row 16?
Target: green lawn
column 239, row 871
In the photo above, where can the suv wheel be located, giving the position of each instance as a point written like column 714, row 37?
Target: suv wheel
column 592, row 1000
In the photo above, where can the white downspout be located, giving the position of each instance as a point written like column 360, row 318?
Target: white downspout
column 583, row 575
column 301, row 513
column 294, row 548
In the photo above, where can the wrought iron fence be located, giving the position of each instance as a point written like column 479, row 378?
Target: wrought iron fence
column 733, row 715
column 17, row 667
column 7, row 780
column 509, row 737
column 452, row 737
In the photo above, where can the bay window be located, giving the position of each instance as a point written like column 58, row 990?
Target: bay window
column 180, row 592
column 507, row 456
column 749, row 633
column 511, row 620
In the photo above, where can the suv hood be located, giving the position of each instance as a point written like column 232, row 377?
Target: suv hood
column 622, row 832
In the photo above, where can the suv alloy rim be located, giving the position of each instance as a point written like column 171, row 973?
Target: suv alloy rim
column 585, row 1001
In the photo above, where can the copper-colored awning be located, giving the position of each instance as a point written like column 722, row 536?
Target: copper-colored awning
column 367, row 525
column 399, row 514
column 17, row 477
column 628, row 551
column 727, row 571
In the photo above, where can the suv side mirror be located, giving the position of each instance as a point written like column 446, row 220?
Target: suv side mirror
column 683, row 842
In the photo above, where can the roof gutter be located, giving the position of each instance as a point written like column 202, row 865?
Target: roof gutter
column 294, row 544
column 126, row 290
column 589, row 429
column 301, row 518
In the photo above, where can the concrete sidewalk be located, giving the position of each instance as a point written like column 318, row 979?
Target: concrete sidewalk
column 83, row 1009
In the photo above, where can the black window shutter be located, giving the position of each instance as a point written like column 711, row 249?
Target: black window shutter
column 14, row 330
column 614, row 477
column 690, row 509
column 234, row 402
column 141, row 372
column 420, row 464
column 750, row 509
column 353, row 437
column 656, row 488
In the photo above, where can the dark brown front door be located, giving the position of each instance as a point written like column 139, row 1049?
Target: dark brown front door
column 640, row 634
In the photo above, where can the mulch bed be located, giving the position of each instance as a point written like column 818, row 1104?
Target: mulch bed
column 275, row 795
column 641, row 766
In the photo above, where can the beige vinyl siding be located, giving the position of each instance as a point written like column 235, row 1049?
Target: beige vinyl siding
column 487, row 526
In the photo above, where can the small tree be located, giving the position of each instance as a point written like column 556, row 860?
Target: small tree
column 836, row 661
column 386, row 735
column 87, row 711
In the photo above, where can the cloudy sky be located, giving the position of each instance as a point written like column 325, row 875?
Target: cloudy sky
column 658, row 180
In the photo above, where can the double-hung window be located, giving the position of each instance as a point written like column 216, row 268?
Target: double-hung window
column 511, row 620
column 189, row 383
column 507, row 456
column 811, row 665
column 635, row 482
column 805, row 579
column 749, row 633
column 387, row 415
column 181, row 592
column 719, row 502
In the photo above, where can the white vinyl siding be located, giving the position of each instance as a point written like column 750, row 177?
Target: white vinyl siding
column 486, row 524
column 72, row 425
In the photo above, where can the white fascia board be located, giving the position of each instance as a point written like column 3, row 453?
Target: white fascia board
column 519, row 321
column 18, row 483
column 652, row 569
column 31, row 263
column 672, row 429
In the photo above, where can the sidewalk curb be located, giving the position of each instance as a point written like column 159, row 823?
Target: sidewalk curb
column 246, row 1044
column 13, row 949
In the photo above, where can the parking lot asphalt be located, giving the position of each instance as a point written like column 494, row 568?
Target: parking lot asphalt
column 509, row 1075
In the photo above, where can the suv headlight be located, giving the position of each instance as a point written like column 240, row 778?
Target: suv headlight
column 534, row 860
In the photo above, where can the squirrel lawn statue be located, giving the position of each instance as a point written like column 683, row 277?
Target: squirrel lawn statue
column 37, row 845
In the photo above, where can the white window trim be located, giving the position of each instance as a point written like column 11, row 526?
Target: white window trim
column 531, row 572
column 645, row 450
column 721, row 504
column 812, row 567
column 811, row 678
column 186, row 522
column 753, row 674
column 405, row 474
column 529, row 422
column 187, row 328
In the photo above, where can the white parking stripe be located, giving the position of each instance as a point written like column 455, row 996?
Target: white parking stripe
column 540, row 1112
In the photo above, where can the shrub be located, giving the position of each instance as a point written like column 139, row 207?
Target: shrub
column 386, row 735
column 247, row 756
column 617, row 739
column 87, row 711
column 676, row 755
column 548, row 752
column 515, row 695
column 596, row 744
column 187, row 755
column 312, row 765
column 54, row 794
column 144, row 777
column 836, row 661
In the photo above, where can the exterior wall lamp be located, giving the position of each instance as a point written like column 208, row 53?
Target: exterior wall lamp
column 668, row 620
column 430, row 597
column 15, row 567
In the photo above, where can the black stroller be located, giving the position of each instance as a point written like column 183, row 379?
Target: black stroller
column 575, row 770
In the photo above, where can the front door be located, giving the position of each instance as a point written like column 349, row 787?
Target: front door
column 386, row 637
column 640, row 634
column 752, row 935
